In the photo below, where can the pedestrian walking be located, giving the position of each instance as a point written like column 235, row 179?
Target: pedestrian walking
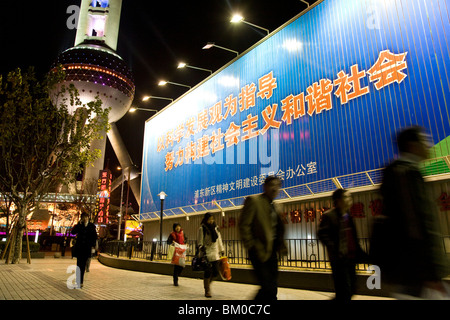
column 63, row 247
column 177, row 236
column 210, row 242
column 338, row 233
column 406, row 241
column 84, row 245
column 262, row 232
column 88, row 262
column 72, row 247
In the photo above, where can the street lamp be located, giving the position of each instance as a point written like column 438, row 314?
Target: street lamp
column 163, row 83
column 133, row 109
column 238, row 18
column 305, row 2
column 162, row 196
column 209, row 45
column 153, row 97
column 185, row 65
column 121, row 201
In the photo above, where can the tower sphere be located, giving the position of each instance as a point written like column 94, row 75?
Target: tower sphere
column 96, row 70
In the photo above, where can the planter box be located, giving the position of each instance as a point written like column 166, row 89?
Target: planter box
column 37, row 255
column 34, row 255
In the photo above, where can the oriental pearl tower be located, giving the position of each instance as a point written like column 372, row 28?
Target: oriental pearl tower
column 95, row 69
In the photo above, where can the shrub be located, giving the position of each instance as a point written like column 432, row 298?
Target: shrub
column 34, row 247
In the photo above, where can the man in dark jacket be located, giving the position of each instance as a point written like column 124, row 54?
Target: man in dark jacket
column 338, row 233
column 410, row 251
column 262, row 232
column 84, row 245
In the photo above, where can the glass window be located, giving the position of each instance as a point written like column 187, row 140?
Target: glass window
column 100, row 3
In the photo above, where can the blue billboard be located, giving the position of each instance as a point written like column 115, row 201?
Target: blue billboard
column 320, row 98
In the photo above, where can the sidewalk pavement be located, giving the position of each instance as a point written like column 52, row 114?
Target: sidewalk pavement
column 46, row 279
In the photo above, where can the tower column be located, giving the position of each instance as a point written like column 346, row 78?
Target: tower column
column 125, row 162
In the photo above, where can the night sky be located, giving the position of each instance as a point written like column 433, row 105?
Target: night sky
column 154, row 36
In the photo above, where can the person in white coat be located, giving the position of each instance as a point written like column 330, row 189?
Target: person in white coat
column 210, row 242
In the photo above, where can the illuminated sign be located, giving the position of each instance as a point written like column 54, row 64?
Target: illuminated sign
column 321, row 98
column 103, row 196
column 133, row 227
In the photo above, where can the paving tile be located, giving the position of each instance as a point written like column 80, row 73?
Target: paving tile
column 46, row 279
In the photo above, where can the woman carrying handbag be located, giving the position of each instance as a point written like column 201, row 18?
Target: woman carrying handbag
column 210, row 242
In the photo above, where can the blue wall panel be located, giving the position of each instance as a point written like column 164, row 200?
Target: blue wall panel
column 346, row 138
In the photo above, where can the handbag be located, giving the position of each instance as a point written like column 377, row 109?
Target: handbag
column 224, row 269
column 179, row 255
column 200, row 262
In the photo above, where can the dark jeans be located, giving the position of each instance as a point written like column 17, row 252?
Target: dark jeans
column 344, row 277
column 176, row 272
column 212, row 272
column 81, row 263
column 267, row 275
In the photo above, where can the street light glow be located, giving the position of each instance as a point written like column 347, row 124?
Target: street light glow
column 185, row 65
column 164, row 82
column 237, row 18
column 209, row 45
column 162, row 195
column 133, row 109
column 146, row 98
column 212, row 44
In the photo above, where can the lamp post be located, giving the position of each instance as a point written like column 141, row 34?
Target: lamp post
column 121, row 200
column 162, row 196
column 145, row 98
column 133, row 109
column 182, row 65
column 305, row 2
column 238, row 18
column 164, row 82
column 209, row 45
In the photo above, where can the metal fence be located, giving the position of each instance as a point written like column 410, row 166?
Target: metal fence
column 302, row 253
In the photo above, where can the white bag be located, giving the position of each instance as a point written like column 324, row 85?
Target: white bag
column 170, row 252
column 179, row 256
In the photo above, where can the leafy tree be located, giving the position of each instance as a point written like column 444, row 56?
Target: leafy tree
column 42, row 143
column 5, row 210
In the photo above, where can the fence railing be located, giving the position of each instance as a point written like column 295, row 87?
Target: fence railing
column 302, row 253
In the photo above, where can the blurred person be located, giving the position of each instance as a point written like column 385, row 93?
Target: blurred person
column 177, row 236
column 88, row 262
column 84, row 245
column 338, row 233
column 63, row 246
column 262, row 232
column 412, row 258
column 210, row 242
